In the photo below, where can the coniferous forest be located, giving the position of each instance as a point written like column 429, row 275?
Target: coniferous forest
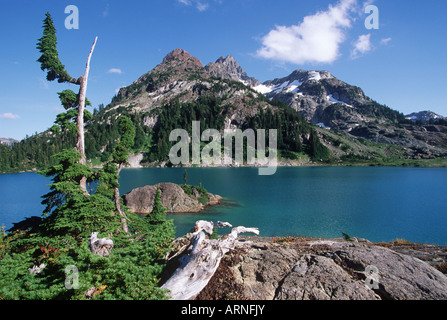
column 102, row 134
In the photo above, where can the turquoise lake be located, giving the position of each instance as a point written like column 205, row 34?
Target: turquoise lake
column 380, row 204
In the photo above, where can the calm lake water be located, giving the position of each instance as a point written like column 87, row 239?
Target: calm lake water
column 380, row 204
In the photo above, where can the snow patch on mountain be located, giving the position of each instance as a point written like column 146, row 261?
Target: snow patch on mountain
column 321, row 124
column 332, row 99
column 424, row 116
column 286, row 86
column 281, row 87
column 263, row 89
column 294, row 86
column 314, row 75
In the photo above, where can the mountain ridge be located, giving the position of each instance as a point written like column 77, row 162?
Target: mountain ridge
column 286, row 89
column 319, row 118
column 317, row 95
column 308, row 92
column 7, row 141
column 425, row 116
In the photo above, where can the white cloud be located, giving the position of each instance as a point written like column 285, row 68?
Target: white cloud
column 106, row 11
column 115, row 70
column 362, row 46
column 9, row 116
column 316, row 39
column 368, row 3
column 385, row 41
column 201, row 5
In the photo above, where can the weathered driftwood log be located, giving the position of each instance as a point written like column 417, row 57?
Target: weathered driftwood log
column 199, row 265
column 37, row 269
column 101, row 247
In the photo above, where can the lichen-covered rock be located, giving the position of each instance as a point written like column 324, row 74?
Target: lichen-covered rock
column 316, row 277
column 329, row 270
column 402, row 277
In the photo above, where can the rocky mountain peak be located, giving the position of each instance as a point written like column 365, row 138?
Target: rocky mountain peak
column 229, row 68
column 318, row 96
column 8, row 141
column 301, row 76
column 228, row 60
column 296, row 83
column 424, row 116
column 180, row 56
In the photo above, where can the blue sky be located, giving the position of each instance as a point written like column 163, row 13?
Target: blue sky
column 402, row 64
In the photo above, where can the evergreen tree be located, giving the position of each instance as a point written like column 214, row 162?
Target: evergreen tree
column 71, row 215
column 112, row 169
column 49, row 59
column 157, row 217
column 50, row 62
column 318, row 151
column 68, row 209
column 61, row 239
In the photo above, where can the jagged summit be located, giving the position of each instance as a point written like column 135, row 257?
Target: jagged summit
column 424, row 116
column 180, row 55
column 179, row 60
column 229, row 68
column 182, row 77
column 292, row 82
column 229, row 59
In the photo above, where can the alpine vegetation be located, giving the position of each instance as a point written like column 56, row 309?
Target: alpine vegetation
column 87, row 245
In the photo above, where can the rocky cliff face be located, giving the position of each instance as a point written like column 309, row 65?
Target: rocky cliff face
column 328, row 270
column 331, row 103
column 316, row 95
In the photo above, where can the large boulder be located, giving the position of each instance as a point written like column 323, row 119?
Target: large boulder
column 173, row 198
column 326, row 270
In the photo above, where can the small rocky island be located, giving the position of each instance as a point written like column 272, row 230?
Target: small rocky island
column 175, row 198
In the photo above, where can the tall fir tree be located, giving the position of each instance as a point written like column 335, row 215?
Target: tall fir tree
column 158, row 213
column 49, row 59
column 50, row 62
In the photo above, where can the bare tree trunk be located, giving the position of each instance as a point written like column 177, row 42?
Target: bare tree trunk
column 121, row 212
column 199, row 265
column 101, row 247
column 80, row 145
column 124, row 218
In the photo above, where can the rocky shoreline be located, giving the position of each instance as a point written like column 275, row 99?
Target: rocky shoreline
column 303, row 162
column 329, row 269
